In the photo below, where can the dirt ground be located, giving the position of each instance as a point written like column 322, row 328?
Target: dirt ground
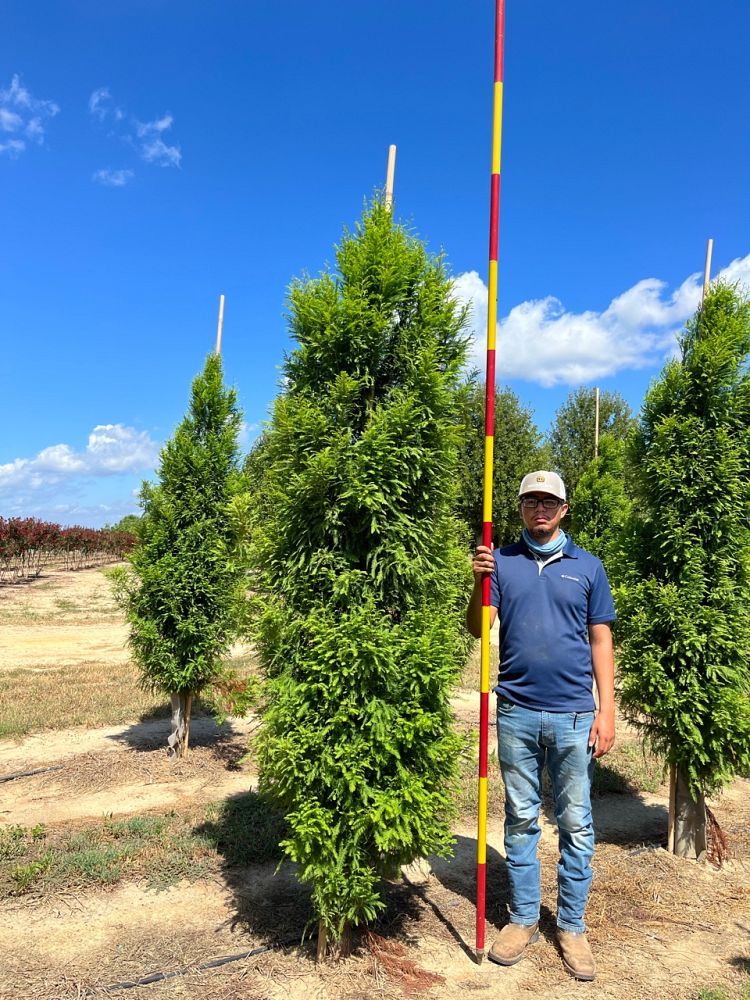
column 660, row 926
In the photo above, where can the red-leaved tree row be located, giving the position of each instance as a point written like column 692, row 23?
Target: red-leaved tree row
column 28, row 545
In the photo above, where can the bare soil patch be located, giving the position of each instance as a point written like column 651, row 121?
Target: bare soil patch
column 660, row 927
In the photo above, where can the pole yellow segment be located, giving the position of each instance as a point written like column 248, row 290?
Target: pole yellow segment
column 484, row 671
column 482, row 824
column 487, row 495
column 492, row 306
column 497, row 134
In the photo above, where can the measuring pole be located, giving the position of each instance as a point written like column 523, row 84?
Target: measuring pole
column 596, row 423
column 489, row 439
column 707, row 270
column 389, row 177
column 221, row 325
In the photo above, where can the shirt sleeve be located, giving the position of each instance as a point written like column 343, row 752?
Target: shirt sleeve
column 601, row 602
column 495, row 584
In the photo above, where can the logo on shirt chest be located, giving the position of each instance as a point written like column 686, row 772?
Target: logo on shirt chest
column 565, row 576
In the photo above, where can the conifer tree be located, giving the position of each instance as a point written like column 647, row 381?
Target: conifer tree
column 188, row 580
column 685, row 607
column 571, row 437
column 361, row 570
column 602, row 505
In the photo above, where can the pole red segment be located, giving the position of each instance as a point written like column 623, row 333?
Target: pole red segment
column 481, row 895
column 499, row 41
column 489, row 407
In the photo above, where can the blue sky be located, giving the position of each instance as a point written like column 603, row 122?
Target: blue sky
column 155, row 154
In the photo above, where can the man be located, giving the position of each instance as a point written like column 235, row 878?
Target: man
column 555, row 608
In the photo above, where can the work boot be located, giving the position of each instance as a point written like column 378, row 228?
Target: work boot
column 511, row 943
column 576, row 955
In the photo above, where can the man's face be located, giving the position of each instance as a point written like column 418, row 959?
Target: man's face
column 540, row 522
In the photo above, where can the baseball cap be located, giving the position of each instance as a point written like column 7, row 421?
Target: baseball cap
column 543, row 482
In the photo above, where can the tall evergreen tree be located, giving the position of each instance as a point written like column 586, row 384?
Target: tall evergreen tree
column 361, row 570
column 685, row 607
column 188, row 580
column 572, row 434
column 518, row 450
column 602, row 505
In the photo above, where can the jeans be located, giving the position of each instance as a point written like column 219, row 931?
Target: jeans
column 526, row 741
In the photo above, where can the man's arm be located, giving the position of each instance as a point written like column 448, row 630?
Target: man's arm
column 603, row 661
column 484, row 562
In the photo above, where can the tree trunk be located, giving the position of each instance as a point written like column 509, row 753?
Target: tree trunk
column 182, row 705
column 687, row 819
column 340, row 949
column 322, row 942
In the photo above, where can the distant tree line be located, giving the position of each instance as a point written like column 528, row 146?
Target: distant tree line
column 29, row 545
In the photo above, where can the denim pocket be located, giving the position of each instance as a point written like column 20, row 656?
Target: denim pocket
column 503, row 705
column 581, row 719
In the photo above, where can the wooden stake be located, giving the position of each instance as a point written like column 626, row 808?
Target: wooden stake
column 389, row 177
column 596, row 423
column 221, row 324
column 707, row 271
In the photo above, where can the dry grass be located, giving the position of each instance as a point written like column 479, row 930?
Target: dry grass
column 157, row 848
column 86, row 694
column 59, row 598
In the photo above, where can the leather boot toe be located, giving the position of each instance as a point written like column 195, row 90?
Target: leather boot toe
column 577, row 956
column 511, row 943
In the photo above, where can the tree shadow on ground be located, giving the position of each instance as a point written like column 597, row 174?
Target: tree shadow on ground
column 272, row 906
column 151, row 731
column 629, row 821
column 458, row 876
column 269, row 905
column 622, row 817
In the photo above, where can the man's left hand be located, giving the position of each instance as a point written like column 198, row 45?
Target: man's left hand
column 602, row 734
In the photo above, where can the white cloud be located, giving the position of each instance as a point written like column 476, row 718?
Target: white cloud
column 112, row 449
column 112, row 178
column 13, row 147
column 157, row 151
column 146, row 137
column 155, row 127
column 10, row 121
column 23, row 115
column 98, row 103
column 540, row 341
column 248, row 433
column 153, row 147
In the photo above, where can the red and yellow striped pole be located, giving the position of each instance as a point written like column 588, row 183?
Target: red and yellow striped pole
column 489, row 438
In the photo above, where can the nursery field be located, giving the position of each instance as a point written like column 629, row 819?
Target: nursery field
column 117, row 864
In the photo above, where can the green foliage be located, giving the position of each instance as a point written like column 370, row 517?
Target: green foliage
column 185, row 592
column 571, row 438
column 129, row 524
column 685, row 604
column 361, row 571
column 517, row 451
column 602, row 505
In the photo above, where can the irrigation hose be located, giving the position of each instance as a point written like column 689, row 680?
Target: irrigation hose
column 215, row 963
column 30, row 774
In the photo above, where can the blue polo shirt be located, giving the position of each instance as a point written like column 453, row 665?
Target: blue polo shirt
column 545, row 656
